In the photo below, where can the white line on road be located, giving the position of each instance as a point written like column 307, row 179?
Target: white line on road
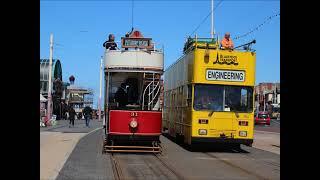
column 266, row 132
column 275, row 121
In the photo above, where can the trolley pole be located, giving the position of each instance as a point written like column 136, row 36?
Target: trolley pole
column 212, row 33
column 100, row 94
column 50, row 74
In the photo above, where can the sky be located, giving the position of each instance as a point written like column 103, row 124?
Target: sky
column 80, row 27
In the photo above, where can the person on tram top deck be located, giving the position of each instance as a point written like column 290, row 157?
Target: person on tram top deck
column 226, row 42
column 110, row 44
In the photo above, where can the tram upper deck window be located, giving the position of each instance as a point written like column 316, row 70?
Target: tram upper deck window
column 223, row 98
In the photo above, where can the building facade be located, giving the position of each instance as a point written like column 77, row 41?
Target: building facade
column 267, row 92
column 44, row 74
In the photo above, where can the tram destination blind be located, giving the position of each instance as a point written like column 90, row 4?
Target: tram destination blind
column 222, row 75
column 136, row 42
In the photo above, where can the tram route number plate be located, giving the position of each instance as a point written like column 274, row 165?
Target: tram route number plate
column 223, row 75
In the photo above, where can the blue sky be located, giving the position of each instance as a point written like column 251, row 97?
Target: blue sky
column 81, row 27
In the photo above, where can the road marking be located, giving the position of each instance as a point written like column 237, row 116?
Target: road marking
column 275, row 121
column 266, row 132
column 93, row 131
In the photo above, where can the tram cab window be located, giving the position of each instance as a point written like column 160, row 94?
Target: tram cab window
column 223, row 98
column 208, row 97
column 239, row 98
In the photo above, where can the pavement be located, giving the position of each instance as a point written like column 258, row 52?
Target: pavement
column 87, row 162
column 268, row 137
column 57, row 143
column 76, row 153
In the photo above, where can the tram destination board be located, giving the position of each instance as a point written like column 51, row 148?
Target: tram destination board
column 136, row 42
column 223, row 75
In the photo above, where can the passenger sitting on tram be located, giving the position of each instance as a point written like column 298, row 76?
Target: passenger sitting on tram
column 207, row 102
column 110, row 44
column 121, row 96
column 226, row 42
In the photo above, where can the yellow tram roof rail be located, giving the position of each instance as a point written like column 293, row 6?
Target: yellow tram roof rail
column 201, row 43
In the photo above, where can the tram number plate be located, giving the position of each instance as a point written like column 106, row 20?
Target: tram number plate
column 222, row 75
column 134, row 114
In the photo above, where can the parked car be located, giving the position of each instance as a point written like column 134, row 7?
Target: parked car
column 262, row 118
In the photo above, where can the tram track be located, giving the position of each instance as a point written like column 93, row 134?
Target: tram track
column 169, row 167
column 235, row 166
column 242, row 152
column 119, row 169
column 116, row 168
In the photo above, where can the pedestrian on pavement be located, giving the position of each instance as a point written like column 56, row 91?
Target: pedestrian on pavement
column 72, row 114
column 87, row 112
column 226, row 42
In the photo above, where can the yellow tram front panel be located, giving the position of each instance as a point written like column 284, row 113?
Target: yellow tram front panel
column 221, row 67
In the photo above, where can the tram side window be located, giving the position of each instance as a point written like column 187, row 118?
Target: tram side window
column 189, row 95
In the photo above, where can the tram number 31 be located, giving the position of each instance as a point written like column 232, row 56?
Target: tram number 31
column 134, row 114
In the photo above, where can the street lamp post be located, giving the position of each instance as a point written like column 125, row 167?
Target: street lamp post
column 264, row 101
column 100, row 89
column 50, row 74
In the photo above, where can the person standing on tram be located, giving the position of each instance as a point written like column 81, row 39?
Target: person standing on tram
column 121, row 96
column 110, row 44
column 226, row 42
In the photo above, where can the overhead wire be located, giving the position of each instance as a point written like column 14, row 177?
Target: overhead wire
column 257, row 27
column 205, row 18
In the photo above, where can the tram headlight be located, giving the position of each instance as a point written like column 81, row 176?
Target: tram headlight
column 133, row 124
column 202, row 132
column 243, row 133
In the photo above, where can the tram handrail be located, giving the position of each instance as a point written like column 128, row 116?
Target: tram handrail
column 144, row 94
column 154, row 88
column 148, row 87
column 138, row 49
column 155, row 95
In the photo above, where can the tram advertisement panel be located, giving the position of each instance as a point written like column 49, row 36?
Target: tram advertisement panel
column 224, row 67
column 222, row 75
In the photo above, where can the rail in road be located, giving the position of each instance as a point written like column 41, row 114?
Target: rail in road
column 146, row 166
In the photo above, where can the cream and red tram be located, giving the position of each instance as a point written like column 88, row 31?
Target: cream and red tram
column 136, row 68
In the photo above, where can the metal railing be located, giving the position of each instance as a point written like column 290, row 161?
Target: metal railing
column 161, row 49
column 151, row 95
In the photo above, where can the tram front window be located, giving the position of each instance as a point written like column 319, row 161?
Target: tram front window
column 223, row 98
column 208, row 97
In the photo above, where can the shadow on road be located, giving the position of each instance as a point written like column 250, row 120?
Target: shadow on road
column 217, row 147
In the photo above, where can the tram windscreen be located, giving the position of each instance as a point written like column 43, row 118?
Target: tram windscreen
column 223, row 98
